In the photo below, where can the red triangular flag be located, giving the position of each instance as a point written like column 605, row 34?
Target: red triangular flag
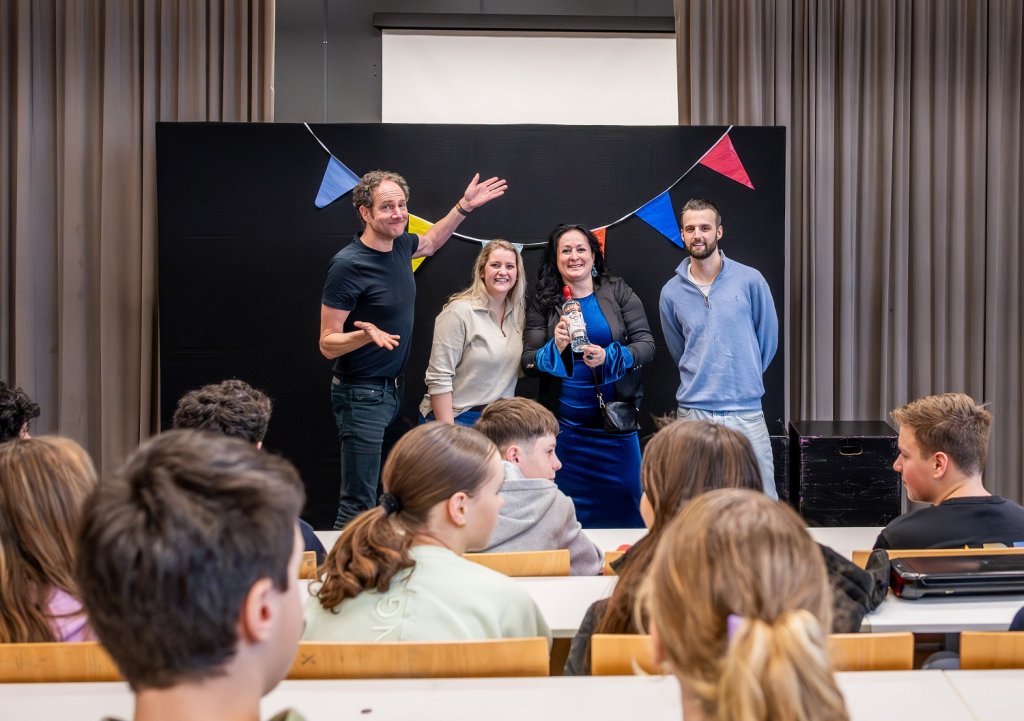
column 599, row 234
column 722, row 158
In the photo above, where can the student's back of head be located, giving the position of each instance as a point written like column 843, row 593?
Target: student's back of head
column 231, row 407
column 682, row 461
column 16, row 410
column 429, row 471
column 739, row 603
column 189, row 556
column 44, row 483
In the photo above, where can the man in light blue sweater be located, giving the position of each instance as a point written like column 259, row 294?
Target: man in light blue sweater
column 721, row 329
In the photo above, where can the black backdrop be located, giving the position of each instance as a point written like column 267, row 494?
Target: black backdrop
column 243, row 251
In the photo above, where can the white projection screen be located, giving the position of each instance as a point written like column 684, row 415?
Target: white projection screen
column 507, row 78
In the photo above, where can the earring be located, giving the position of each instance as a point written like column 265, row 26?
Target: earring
column 593, row 271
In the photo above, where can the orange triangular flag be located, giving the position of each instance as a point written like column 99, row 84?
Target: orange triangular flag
column 722, row 158
column 599, row 234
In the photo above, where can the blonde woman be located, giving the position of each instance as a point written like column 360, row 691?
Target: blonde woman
column 396, row 572
column 44, row 482
column 739, row 605
column 478, row 340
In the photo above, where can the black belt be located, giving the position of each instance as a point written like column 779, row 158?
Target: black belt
column 382, row 381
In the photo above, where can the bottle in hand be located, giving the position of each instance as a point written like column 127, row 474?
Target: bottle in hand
column 577, row 326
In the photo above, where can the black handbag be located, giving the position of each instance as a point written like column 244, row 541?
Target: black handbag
column 619, row 417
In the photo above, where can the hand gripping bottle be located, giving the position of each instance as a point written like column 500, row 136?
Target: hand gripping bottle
column 577, row 326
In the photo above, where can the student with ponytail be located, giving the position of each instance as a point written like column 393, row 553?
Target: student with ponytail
column 396, row 572
column 739, row 604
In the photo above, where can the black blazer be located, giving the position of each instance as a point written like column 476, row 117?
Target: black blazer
column 628, row 323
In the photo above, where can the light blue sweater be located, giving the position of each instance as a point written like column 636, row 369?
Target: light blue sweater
column 722, row 344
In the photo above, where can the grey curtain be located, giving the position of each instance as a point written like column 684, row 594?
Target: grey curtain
column 82, row 85
column 906, row 171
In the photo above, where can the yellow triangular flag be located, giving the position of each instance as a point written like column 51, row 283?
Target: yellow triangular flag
column 417, row 226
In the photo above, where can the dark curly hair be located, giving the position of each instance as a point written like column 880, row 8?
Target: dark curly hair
column 549, row 281
column 16, row 410
column 232, row 408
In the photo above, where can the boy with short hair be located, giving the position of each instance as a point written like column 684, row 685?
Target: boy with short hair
column 236, row 409
column 943, row 443
column 188, row 567
column 536, row 515
column 232, row 407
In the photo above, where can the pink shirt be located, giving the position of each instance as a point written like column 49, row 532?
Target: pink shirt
column 68, row 618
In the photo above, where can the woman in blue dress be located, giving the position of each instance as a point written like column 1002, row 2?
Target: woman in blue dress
column 600, row 471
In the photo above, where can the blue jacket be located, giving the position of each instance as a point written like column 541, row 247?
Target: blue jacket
column 722, row 344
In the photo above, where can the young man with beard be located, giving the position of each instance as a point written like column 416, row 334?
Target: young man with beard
column 722, row 331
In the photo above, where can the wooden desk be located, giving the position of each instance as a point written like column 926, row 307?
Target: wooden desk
column 944, row 615
column 329, row 537
column 869, row 696
column 990, row 695
column 846, row 540
column 564, row 600
column 843, row 540
column 878, row 695
column 609, row 539
column 500, row 699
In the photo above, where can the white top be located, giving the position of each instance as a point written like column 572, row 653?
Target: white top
column 442, row 598
column 471, row 357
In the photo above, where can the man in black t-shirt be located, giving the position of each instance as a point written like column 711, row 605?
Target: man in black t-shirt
column 942, row 448
column 366, row 320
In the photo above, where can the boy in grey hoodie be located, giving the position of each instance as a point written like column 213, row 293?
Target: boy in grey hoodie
column 536, row 515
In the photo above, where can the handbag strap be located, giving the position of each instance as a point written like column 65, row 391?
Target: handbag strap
column 597, row 388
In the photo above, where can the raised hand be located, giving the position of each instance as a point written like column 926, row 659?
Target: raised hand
column 479, row 192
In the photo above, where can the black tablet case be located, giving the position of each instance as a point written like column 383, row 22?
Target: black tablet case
column 914, row 578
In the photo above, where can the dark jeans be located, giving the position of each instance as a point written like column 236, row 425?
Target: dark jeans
column 362, row 413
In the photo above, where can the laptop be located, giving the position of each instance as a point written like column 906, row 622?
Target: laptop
column 914, row 578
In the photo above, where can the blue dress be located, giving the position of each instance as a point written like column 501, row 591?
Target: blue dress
column 600, row 471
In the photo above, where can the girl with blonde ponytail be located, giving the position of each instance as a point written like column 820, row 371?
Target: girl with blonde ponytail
column 739, row 606
column 396, row 572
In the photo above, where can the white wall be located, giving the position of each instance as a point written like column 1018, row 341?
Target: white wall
column 502, row 78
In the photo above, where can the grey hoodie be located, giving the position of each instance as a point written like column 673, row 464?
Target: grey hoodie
column 539, row 517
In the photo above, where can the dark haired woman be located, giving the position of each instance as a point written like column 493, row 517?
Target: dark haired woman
column 600, row 471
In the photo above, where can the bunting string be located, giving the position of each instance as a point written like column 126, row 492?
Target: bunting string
column 657, row 212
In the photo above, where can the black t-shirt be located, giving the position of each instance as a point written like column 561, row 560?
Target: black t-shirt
column 958, row 522
column 376, row 287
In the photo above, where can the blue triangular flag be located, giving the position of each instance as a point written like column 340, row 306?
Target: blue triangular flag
column 659, row 215
column 337, row 181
